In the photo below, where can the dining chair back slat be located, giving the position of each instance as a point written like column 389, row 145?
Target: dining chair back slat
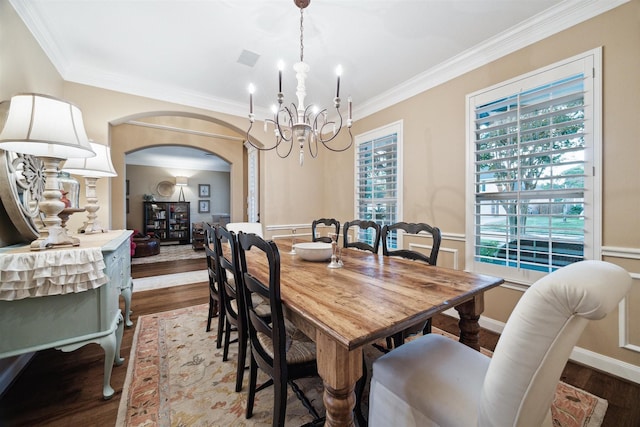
column 327, row 222
column 277, row 347
column 398, row 339
column 229, row 272
column 412, row 228
column 216, row 306
column 362, row 225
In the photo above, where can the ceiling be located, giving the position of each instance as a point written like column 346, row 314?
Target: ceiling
column 189, row 52
column 190, row 158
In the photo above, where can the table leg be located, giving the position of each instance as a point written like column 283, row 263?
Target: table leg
column 340, row 370
column 469, row 315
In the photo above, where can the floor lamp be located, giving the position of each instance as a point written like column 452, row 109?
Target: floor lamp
column 91, row 169
column 181, row 181
column 52, row 130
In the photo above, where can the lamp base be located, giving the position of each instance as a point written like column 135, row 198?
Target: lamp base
column 91, row 227
column 55, row 236
column 52, row 234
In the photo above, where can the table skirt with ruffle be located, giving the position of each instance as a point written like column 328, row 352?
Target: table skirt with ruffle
column 51, row 272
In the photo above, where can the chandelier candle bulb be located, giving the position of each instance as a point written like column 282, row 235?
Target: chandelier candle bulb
column 251, row 90
column 338, row 72
column 280, row 68
column 349, row 109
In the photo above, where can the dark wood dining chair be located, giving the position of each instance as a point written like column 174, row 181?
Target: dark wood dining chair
column 328, row 222
column 390, row 232
column 277, row 347
column 357, row 243
column 234, row 307
column 216, row 307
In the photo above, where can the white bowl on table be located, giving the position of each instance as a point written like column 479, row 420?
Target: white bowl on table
column 313, row 251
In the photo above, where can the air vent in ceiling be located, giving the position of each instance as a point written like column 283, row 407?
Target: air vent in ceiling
column 248, row 58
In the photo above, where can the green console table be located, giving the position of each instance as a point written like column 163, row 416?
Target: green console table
column 65, row 298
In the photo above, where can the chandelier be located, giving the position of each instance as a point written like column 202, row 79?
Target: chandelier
column 307, row 125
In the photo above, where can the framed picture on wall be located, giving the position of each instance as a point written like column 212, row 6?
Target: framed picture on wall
column 203, row 206
column 204, row 190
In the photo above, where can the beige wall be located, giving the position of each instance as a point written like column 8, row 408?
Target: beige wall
column 104, row 112
column 434, row 153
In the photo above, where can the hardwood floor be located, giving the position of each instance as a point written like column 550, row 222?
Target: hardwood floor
column 65, row 389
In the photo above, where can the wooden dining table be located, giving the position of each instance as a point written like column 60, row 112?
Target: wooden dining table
column 368, row 299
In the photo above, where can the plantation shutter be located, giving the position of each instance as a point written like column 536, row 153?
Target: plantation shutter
column 529, row 177
column 377, row 181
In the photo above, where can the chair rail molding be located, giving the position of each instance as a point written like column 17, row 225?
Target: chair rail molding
column 618, row 252
column 455, row 252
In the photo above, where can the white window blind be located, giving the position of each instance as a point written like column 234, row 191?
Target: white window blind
column 532, row 163
column 378, row 177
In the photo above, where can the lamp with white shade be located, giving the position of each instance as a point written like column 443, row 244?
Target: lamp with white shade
column 91, row 169
column 181, row 181
column 52, row 130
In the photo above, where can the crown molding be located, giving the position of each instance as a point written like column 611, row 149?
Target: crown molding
column 538, row 27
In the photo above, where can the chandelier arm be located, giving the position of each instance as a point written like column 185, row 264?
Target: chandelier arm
column 315, row 140
column 257, row 147
column 339, row 127
column 338, row 150
column 284, row 156
column 281, row 132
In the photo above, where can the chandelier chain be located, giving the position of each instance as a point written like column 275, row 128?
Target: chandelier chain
column 301, row 37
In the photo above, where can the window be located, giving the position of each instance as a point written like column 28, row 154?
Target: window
column 534, row 171
column 378, row 176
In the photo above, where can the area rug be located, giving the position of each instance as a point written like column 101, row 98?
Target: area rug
column 170, row 253
column 176, row 377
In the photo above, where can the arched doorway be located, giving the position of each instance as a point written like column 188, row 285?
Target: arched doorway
column 155, row 172
column 163, row 129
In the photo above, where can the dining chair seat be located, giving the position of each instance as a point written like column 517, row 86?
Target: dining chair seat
column 299, row 347
column 434, row 380
column 262, row 307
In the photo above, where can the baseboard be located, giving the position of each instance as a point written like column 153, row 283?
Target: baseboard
column 10, row 368
column 579, row 355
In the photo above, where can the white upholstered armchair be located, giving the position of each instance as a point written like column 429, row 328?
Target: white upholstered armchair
column 436, row 381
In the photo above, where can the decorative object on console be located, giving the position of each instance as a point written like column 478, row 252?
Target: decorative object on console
column 91, row 169
column 181, row 181
column 70, row 188
column 52, row 130
column 306, row 124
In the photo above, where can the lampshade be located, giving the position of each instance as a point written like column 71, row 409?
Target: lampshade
column 44, row 126
column 181, row 181
column 97, row 167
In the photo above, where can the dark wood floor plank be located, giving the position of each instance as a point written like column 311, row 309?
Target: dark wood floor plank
column 65, row 389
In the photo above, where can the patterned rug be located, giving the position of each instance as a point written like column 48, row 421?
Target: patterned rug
column 170, row 253
column 176, row 377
